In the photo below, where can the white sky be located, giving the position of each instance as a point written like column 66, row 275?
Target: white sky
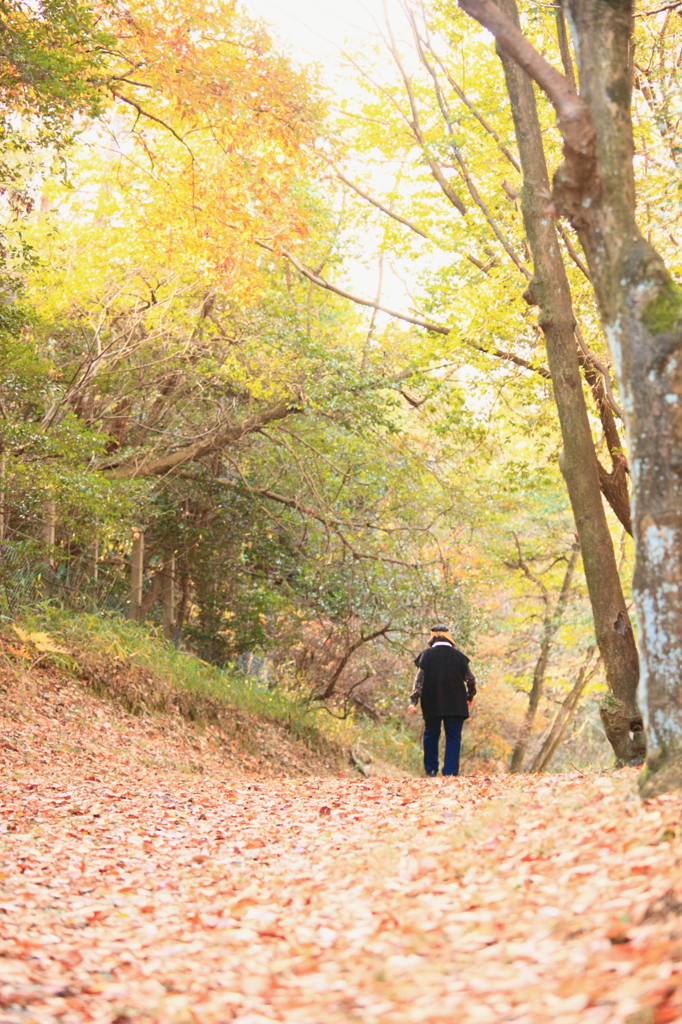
column 315, row 29
column 316, row 32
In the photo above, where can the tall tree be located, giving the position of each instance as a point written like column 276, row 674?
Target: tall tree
column 435, row 127
column 549, row 289
column 640, row 306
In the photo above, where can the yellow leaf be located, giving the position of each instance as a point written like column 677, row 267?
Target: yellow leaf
column 41, row 641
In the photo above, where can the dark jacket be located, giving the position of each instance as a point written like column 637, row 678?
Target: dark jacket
column 445, row 682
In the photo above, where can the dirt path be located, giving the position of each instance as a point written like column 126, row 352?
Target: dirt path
column 134, row 893
column 151, row 872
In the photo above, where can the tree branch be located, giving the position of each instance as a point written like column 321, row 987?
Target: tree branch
column 436, row 328
column 152, row 117
column 380, row 206
column 321, row 282
column 416, row 127
column 461, row 163
column 564, row 48
column 457, row 89
column 343, row 661
column 408, row 224
column 215, row 442
column 500, row 353
column 572, row 251
column 577, row 176
column 591, row 358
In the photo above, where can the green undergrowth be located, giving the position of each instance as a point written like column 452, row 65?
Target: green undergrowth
column 114, row 638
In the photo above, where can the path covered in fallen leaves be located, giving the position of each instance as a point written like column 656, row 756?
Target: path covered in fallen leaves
column 133, row 893
column 145, row 876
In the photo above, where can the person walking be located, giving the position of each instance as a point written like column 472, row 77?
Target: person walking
column 446, row 687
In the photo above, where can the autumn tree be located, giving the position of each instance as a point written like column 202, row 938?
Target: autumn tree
column 594, row 189
column 549, row 289
column 477, row 224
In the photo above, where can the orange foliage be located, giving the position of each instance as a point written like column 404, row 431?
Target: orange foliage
column 222, row 138
column 495, row 721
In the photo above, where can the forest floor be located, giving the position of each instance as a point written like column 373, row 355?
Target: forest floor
column 147, row 875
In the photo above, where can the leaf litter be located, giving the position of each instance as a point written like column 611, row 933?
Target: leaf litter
column 134, row 889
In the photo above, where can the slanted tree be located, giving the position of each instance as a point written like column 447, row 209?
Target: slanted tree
column 553, row 613
column 550, row 291
column 430, row 109
column 641, row 311
column 564, row 715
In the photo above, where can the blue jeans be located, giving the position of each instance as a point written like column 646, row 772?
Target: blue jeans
column 453, row 741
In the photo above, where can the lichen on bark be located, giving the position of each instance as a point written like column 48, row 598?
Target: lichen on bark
column 662, row 314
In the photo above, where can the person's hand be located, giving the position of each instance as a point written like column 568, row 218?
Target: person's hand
column 411, row 708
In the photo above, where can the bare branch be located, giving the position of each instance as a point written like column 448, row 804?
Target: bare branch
column 500, row 353
column 523, row 566
column 321, row 282
column 572, row 251
column 590, row 357
column 343, row 661
column 380, row 206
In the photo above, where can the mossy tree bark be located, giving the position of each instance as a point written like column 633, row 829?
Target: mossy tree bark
column 550, row 291
column 641, row 310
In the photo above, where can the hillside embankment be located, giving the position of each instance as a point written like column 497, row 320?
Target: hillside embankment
column 153, row 870
column 87, row 683
column 121, row 713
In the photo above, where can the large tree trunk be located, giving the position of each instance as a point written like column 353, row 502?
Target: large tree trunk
column 549, row 289
column 641, row 309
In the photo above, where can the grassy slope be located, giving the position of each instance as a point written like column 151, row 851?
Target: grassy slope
column 132, row 665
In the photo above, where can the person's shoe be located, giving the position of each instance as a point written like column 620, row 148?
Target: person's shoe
column 431, row 775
